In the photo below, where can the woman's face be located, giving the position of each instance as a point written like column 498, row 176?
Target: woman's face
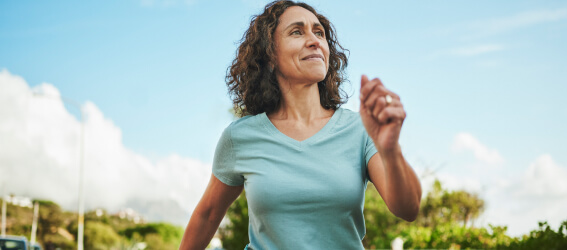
column 302, row 51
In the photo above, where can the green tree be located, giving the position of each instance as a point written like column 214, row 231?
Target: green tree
column 50, row 222
column 542, row 238
column 463, row 206
column 442, row 206
column 442, row 222
column 100, row 236
column 155, row 241
column 381, row 225
column 156, row 235
column 18, row 220
column 234, row 235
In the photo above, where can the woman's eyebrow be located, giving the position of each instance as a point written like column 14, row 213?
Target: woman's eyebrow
column 302, row 24
column 318, row 25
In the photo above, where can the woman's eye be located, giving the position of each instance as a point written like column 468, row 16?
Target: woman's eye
column 296, row 32
column 320, row 33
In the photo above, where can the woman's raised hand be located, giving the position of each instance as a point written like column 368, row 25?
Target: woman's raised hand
column 382, row 114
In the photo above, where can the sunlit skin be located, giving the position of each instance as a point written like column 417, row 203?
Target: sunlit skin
column 301, row 115
column 393, row 177
column 302, row 55
column 301, row 48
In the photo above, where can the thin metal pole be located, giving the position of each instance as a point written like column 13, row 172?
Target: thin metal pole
column 81, row 186
column 3, row 216
column 34, row 223
column 81, row 222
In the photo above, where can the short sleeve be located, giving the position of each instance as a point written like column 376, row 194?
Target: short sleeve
column 224, row 161
column 369, row 149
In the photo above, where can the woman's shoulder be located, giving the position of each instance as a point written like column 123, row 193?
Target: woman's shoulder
column 247, row 122
column 347, row 115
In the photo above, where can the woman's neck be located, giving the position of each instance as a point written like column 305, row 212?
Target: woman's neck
column 300, row 102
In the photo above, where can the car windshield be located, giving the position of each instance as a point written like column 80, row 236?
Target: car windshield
column 7, row 244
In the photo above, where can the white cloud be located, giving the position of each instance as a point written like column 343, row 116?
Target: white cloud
column 518, row 201
column 39, row 157
column 467, row 142
column 543, row 179
column 452, row 182
column 538, row 194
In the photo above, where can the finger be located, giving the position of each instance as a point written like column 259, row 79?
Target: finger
column 395, row 102
column 366, row 89
column 380, row 104
column 391, row 114
column 363, row 80
column 381, row 88
column 394, row 95
column 367, row 86
column 378, row 81
column 370, row 101
column 363, row 109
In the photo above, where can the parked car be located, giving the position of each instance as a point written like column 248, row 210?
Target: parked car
column 10, row 242
column 35, row 246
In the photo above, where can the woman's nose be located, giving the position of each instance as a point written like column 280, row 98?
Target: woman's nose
column 313, row 40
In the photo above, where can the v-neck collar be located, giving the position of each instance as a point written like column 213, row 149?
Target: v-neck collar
column 300, row 144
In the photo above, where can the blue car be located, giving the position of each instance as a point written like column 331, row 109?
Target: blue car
column 35, row 246
column 14, row 243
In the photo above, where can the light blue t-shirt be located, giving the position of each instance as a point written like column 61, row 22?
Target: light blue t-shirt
column 301, row 195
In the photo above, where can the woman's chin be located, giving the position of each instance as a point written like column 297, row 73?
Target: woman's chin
column 314, row 80
column 317, row 76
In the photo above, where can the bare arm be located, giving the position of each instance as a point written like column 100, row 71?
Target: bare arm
column 397, row 183
column 383, row 114
column 208, row 214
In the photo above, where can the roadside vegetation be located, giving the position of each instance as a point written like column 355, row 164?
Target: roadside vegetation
column 57, row 229
column 445, row 221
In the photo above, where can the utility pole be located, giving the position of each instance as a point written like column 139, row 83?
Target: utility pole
column 3, row 216
column 81, row 219
column 34, row 223
column 81, row 228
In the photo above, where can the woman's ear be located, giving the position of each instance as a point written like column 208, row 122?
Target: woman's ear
column 271, row 68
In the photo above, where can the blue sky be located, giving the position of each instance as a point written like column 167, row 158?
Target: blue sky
column 482, row 81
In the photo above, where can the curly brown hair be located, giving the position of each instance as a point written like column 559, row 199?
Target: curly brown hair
column 251, row 79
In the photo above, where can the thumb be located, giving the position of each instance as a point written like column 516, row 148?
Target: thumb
column 363, row 80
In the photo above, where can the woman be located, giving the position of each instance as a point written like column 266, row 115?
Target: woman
column 303, row 161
